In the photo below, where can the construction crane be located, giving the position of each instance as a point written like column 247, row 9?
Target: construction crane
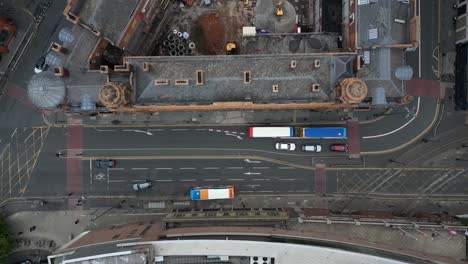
column 279, row 7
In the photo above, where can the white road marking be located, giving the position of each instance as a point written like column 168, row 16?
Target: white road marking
column 236, row 136
column 14, row 132
column 211, row 168
column 188, row 180
column 400, row 128
column 200, row 129
column 211, row 179
column 163, row 168
column 179, row 129
column 116, row 168
column 104, row 130
column 111, row 181
column 252, row 173
column 260, row 179
column 218, row 130
column 139, row 168
column 260, row 168
column 286, row 168
column 187, row 168
column 265, row 191
column 286, row 179
column 138, row 131
column 235, row 179
column 159, row 129
column 252, row 161
column 90, row 172
column 235, row 168
column 246, row 191
column 163, row 180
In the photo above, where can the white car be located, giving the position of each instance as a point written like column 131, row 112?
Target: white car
column 312, row 148
column 285, row 146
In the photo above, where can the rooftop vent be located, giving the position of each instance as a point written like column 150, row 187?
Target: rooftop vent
column 275, row 88
column 200, row 77
column 161, row 82
column 182, row 82
column 315, row 87
column 293, row 64
column 247, row 77
column 316, row 64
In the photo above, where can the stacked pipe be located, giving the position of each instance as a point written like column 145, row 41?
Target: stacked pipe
column 177, row 44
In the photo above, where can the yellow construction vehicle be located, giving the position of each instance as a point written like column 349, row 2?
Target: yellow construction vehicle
column 279, row 7
column 279, row 11
column 231, row 48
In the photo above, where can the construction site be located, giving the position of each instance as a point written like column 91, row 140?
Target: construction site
column 207, row 55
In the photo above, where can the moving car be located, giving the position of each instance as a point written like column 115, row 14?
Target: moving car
column 285, row 146
column 40, row 65
column 312, row 148
column 105, row 163
column 339, row 147
column 142, row 185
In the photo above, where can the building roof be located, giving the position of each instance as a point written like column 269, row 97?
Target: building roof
column 223, row 78
column 168, row 251
column 376, row 23
column 380, row 72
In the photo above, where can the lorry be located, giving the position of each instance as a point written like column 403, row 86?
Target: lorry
column 271, row 132
column 212, row 193
column 323, row 132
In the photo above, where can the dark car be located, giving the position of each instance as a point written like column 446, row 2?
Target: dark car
column 40, row 65
column 339, row 147
column 105, row 163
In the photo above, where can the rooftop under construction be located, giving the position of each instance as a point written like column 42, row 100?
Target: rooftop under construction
column 149, row 56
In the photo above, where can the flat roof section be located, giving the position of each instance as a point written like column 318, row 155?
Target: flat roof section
column 261, row 79
column 383, row 23
column 290, row 43
column 109, row 17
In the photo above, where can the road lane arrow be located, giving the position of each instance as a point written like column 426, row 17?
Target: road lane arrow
column 139, row 131
column 252, row 161
column 237, row 136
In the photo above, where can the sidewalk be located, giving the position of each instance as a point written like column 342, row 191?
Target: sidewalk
column 216, row 118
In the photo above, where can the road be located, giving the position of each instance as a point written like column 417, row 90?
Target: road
column 177, row 158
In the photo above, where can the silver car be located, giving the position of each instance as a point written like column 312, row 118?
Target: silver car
column 142, row 185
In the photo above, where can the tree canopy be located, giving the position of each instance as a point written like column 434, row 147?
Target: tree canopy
column 6, row 241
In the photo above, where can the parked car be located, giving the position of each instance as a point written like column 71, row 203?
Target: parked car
column 339, row 147
column 7, row 33
column 105, row 163
column 142, row 185
column 312, row 148
column 40, row 65
column 285, row 146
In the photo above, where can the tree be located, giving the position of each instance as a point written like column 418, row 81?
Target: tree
column 6, row 241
